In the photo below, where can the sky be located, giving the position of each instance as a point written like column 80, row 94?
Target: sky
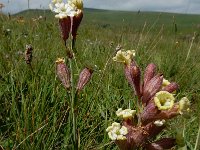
column 178, row 6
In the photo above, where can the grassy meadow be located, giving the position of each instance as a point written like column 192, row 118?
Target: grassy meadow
column 34, row 108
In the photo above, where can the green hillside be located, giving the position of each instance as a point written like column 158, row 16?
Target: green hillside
column 184, row 22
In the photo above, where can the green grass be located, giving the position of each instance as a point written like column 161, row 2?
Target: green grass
column 34, row 106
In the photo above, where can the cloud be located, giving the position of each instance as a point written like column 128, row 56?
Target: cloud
column 14, row 6
column 145, row 5
column 180, row 6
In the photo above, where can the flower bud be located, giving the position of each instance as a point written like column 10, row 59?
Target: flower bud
column 171, row 87
column 84, row 78
column 149, row 73
column 128, row 73
column 136, row 74
column 133, row 74
column 184, row 107
column 180, row 139
column 63, row 72
column 28, row 54
column 151, row 88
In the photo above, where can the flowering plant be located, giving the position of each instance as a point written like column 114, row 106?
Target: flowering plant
column 156, row 104
column 70, row 15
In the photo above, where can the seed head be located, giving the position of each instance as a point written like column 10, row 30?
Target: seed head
column 28, row 54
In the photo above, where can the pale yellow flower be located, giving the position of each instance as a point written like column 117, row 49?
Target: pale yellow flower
column 60, row 60
column 125, row 114
column 124, row 56
column 164, row 100
column 116, row 132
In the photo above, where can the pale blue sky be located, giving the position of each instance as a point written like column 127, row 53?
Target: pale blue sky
column 179, row 6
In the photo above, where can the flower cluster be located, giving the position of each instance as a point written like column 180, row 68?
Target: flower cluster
column 70, row 15
column 158, row 102
column 124, row 56
column 62, row 9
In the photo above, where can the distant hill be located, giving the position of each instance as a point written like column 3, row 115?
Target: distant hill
column 47, row 11
column 33, row 13
column 107, row 18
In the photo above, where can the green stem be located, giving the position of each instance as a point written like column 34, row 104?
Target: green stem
column 72, row 105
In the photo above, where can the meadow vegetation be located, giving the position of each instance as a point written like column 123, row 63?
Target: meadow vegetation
column 33, row 104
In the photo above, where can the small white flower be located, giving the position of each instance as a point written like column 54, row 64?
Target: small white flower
column 125, row 114
column 159, row 123
column 63, row 10
column 116, row 132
